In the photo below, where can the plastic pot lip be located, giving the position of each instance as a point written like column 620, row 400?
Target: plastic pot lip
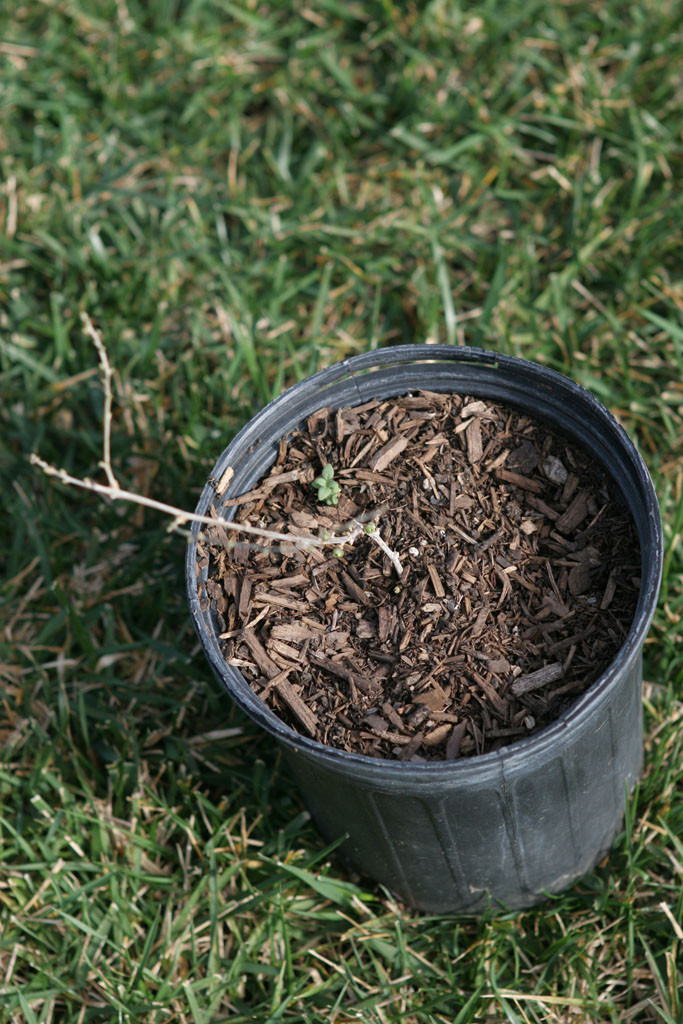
column 545, row 379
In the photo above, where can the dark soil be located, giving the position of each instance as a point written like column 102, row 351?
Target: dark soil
column 520, row 579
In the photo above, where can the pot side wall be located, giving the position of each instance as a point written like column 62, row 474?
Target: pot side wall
column 528, row 828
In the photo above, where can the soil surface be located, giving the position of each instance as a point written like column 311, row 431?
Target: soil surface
column 519, row 583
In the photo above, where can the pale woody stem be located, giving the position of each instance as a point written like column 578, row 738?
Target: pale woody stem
column 107, row 374
column 113, row 491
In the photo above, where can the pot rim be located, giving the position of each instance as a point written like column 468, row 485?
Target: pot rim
column 545, row 379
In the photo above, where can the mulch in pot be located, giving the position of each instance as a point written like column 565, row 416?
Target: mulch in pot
column 519, row 584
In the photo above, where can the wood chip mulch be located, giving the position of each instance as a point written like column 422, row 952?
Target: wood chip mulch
column 520, row 579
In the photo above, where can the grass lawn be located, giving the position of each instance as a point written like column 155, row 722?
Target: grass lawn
column 239, row 192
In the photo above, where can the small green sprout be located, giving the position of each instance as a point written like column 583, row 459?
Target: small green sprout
column 327, row 487
column 338, row 552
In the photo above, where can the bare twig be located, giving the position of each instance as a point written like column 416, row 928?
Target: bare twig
column 180, row 518
column 107, row 374
column 391, row 555
column 374, row 536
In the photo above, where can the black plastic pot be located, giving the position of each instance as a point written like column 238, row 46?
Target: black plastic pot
column 504, row 827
